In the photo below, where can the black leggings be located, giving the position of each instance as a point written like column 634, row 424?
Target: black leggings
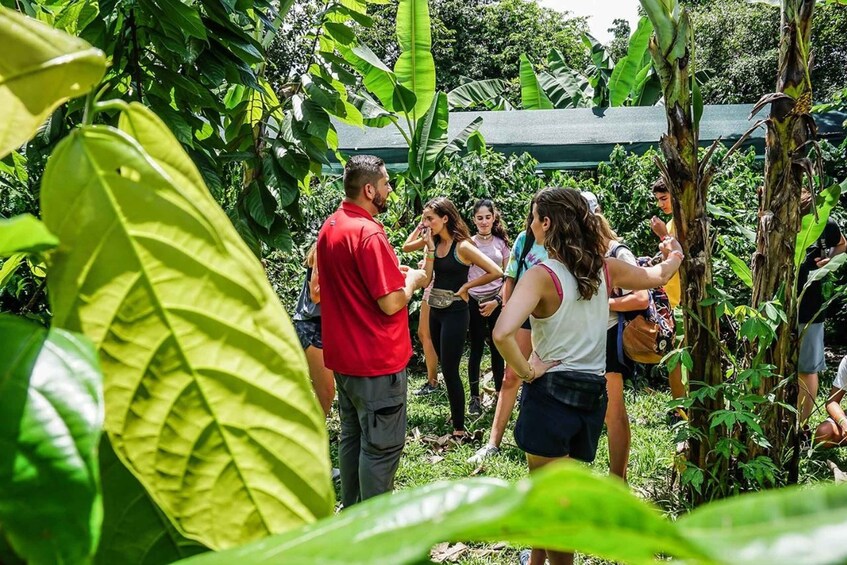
column 448, row 328
column 480, row 331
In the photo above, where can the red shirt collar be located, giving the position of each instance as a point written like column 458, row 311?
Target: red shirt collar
column 348, row 206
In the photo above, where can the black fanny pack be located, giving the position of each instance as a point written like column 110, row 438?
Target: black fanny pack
column 584, row 391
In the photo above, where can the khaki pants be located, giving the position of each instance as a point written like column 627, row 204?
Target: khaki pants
column 373, row 433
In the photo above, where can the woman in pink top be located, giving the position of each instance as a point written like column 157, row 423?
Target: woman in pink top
column 485, row 301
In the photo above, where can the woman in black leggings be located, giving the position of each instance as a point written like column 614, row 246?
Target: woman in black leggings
column 450, row 252
column 491, row 238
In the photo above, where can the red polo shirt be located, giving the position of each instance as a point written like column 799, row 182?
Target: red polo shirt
column 357, row 266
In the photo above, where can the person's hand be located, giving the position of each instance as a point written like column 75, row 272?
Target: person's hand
column 418, row 276
column 426, row 235
column 669, row 245
column 821, row 261
column 539, row 367
column 488, row 308
column 463, row 294
column 658, row 226
column 421, row 264
column 404, row 269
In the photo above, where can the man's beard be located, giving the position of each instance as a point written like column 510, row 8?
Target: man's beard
column 380, row 203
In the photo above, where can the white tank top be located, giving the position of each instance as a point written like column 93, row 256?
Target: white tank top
column 575, row 335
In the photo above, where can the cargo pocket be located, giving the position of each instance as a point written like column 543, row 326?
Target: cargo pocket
column 387, row 422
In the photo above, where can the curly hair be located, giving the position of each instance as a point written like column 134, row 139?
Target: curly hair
column 574, row 238
column 497, row 227
column 456, row 226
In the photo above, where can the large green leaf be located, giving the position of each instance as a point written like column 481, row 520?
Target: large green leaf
column 787, row 526
column 739, row 267
column 563, row 507
column 624, row 76
column 430, row 139
column 24, row 234
column 208, row 396
column 135, row 531
column 51, row 417
column 566, row 89
column 461, row 141
column 532, row 96
column 415, row 68
column 811, row 229
column 378, row 79
column 476, row 93
column 40, row 67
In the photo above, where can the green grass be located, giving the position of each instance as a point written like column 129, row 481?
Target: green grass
column 651, row 466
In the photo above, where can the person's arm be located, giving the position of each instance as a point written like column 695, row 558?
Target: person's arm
column 488, row 308
column 429, row 256
column 470, row 253
column 624, row 275
column 395, row 301
column 833, row 408
column 415, row 240
column 638, row 300
column 314, row 285
column 522, row 303
column 837, row 249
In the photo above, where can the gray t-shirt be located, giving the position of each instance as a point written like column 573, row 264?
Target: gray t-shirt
column 624, row 254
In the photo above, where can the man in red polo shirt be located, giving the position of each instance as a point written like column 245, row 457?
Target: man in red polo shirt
column 365, row 331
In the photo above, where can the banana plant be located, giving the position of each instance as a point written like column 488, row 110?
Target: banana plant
column 631, row 81
column 406, row 98
column 790, row 133
column 671, row 47
column 487, row 93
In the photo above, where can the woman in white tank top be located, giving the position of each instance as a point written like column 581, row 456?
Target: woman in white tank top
column 564, row 397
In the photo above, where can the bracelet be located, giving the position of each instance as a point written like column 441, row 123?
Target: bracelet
column 430, row 258
column 841, row 419
column 499, row 299
column 531, row 375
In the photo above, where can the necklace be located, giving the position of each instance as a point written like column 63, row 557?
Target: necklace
column 485, row 237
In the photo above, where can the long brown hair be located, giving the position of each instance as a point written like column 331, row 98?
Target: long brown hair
column 497, row 227
column 456, row 226
column 574, row 237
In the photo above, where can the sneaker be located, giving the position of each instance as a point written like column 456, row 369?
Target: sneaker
column 475, row 406
column 524, row 556
column 426, row 389
column 483, row 453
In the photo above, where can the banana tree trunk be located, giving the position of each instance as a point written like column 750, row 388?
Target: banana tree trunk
column 789, row 126
column 670, row 48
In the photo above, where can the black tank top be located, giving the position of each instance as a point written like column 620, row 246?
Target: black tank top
column 450, row 273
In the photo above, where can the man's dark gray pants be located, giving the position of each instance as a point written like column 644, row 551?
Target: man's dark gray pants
column 373, row 432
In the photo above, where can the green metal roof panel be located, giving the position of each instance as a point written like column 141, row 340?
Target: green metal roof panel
column 579, row 138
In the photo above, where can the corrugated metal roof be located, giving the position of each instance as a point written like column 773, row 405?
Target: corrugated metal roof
column 579, row 138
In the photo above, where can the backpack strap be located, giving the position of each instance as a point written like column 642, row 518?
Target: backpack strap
column 528, row 242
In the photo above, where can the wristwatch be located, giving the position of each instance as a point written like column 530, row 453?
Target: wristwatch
column 499, row 299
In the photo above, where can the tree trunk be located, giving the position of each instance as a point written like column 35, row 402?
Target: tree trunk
column 689, row 191
column 788, row 129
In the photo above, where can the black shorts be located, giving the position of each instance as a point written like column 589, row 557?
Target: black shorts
column 549, row 428
column 613, row 364
column 309, row 333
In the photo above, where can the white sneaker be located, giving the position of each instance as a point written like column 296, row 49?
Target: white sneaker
column 483, row 453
